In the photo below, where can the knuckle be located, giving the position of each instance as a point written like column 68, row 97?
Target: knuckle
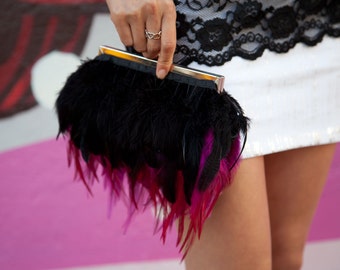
column 115, row 19
column 151, row 8
column 165, row 60
column 132, row 17
column 154, row 48
column 125, row 38
column 164, row 63
column 118, row 19
column 168, row 46
column 140, row 49
column 118, row 16
column 149, row 55
column 126, row 41
column 169, row 7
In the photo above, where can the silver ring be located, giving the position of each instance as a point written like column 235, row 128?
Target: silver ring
column 150, row 35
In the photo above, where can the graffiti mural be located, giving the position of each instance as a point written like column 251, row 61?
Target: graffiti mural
column 29, row 30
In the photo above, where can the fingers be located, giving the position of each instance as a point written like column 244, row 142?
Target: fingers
column 153, row 25
column 138, row 35
column 121, row 25
column 128, row 18
column 132, row 17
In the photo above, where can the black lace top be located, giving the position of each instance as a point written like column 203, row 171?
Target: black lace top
column 211, row 32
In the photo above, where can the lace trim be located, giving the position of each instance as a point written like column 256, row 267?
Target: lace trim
column 211, row 32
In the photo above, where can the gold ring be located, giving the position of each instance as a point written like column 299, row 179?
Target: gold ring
column 150, row 35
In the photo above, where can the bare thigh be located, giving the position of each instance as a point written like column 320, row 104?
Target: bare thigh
column 295, row 180
column 237, row 235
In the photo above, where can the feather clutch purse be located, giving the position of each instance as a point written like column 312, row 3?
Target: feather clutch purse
column 171, row 143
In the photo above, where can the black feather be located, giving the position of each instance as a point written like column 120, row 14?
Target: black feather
column 133, row 119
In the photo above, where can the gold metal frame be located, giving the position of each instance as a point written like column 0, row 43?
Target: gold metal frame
column 194, row 73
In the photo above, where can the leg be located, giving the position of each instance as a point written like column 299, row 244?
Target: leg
column 237, row 235
column 295, row 180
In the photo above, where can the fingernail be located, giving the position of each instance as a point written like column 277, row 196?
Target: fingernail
column 161, row 73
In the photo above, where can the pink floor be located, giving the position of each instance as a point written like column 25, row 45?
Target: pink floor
column 48, row 221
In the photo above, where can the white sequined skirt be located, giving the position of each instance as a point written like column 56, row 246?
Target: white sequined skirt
column 292, row 99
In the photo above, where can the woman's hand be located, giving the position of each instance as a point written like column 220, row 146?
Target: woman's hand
column 132, row 17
